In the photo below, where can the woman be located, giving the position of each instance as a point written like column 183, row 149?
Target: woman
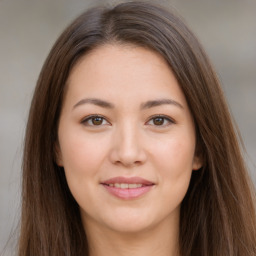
column 130, row 148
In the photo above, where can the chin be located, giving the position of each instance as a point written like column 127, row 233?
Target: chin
column 131, row 227
column 132, row 222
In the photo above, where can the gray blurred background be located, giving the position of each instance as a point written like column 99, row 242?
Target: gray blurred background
column 28, row 29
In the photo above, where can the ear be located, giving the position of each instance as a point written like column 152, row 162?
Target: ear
column 57, row 154
column 197, row 163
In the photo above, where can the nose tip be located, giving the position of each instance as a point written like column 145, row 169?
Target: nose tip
column 128, row 150
column 129, row 160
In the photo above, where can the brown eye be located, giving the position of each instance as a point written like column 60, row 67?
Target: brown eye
column 97, row 120
column 158, row 121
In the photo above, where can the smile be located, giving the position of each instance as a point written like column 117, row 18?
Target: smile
column 125, row 185
column 127, row 188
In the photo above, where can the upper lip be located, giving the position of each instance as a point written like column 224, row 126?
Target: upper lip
column 128, row 180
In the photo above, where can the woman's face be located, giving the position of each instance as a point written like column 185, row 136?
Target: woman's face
column 126, row 139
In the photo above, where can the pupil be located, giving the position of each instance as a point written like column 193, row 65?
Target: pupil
column 158, row 121
column 97, row 120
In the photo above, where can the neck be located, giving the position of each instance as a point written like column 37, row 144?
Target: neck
column 161, row 241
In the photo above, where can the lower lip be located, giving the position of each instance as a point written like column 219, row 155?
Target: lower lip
column 128, row 193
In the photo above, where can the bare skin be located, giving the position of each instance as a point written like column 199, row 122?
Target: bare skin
column 124, row 115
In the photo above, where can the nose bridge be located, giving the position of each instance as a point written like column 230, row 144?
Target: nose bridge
column 127, row 145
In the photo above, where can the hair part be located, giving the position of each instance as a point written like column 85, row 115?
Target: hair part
column 218, row 211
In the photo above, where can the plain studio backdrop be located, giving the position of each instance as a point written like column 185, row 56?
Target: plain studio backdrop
column 28, row 29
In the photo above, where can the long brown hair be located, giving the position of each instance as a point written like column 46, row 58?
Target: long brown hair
column 218, row 211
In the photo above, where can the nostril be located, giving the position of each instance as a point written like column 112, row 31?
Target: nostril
column 127, row 151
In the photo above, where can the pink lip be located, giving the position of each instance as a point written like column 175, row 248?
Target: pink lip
column 126, row 180
column 128, row 193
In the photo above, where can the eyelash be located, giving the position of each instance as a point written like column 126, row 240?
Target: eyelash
column 165, row 119
column 90, row 119
column 152, row 118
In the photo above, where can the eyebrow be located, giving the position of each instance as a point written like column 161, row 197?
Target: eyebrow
column 146, row 105
column 156, row 103
column 94, row 101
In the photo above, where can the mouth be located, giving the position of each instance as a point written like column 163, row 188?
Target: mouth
column 125, row 185
column 127, row 188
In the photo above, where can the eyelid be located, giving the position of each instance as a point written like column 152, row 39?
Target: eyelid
column 168, row 118
column 88, row 118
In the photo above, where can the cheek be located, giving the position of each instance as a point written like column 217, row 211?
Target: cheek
column 80, row 153
column 82, row 159
column 174, row 160
column 175, row 173
column 175, row 154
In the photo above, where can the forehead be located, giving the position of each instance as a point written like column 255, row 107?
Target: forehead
column 108, row 56
column 125, row 71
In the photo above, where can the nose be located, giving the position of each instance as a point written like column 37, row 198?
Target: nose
column 128, row 148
